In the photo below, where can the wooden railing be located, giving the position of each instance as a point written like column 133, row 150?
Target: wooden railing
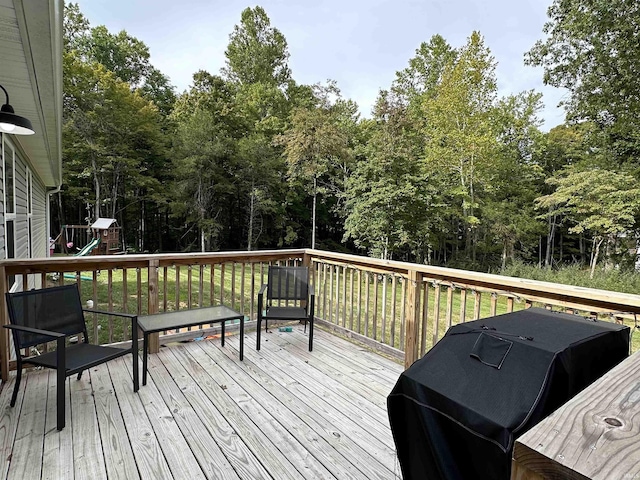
column 397, row 307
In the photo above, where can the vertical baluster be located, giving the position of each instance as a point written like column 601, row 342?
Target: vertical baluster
column 110, row 302
column 189, row 286
column 351, row 298
column 331, row 268
column 94, row 317
column 403, row 311
column 201, row 286
column 222, row 281
column 477, row 304
column 337, row 322
column 212, row 279
column 383, row 333
column 177, row 285
column 494, row 304
column 344, row 295
column 125, row 303
column 366, row 303
column 509, row 304
column 324, row 291
column 233, row 285
column 165, row 281
column 375, row 306
column 425, row 318
column 393, row 311
column 463, row 305
column 254, row 295
column 359, row 319
column 139, row 288
column 242, row 277
column 436, row 313
column 449, row 306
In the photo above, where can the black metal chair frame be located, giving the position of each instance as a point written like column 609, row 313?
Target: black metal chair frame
column 282, row 285
column 31, row 326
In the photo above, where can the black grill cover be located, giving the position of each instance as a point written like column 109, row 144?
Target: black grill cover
column 456, row 412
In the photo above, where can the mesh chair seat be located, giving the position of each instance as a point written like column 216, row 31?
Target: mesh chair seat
column 79, row 357
column 285, row 313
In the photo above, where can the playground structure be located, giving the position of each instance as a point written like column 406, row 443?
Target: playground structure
column 100, row 238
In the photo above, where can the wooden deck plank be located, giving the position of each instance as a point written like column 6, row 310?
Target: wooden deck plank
column 157, row 444
column 376, row 398
column 282, row 413
column 210, row 437
column 346, row 437
column 57, row 459
column 369, row 380
column 119, row 460
column 288, row 413
column 368, row 409
column 88, row 460
column 281, row 454
column 26, row 457
column 8, row 423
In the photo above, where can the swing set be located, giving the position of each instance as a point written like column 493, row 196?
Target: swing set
column 100, row 238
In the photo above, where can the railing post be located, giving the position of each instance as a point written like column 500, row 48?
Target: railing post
column 4, row 338
column 152, row 276
column 412, row 317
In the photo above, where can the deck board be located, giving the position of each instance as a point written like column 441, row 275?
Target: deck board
column 282, row 413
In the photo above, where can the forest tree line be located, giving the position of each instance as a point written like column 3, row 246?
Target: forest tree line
column 446, row 171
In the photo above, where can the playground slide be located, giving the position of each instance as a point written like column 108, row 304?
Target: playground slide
column 88, row 248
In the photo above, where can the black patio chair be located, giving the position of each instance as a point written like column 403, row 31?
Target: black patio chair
column 55, row 314
column 289, row 297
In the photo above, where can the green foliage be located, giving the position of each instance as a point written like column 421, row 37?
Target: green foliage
column 257, row 52
column 447, row 171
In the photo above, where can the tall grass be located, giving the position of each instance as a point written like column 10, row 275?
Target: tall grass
column 613, row 279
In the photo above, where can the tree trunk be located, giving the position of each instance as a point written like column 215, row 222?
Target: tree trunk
column 252, row 201
column 550, row 240
column 96, row 186
column 597, row 242
column 313, row 213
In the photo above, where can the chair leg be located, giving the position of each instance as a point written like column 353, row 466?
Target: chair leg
column 80, row 374
column 16, row 387
column 310, row 335
column 60, row 381
column 258, row 334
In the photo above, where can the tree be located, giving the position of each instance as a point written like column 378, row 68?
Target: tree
column 461, row 143
column 389, row 201
column 599, row 201
column 257, row 52
column 592, row 50
column 316, row 145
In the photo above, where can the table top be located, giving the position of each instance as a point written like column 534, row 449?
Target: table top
column 185, row 318
column 595, row 435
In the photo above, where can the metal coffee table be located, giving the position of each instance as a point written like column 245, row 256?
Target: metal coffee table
column 186, row 318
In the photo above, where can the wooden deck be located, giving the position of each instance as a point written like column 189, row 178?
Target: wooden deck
column 282, row 413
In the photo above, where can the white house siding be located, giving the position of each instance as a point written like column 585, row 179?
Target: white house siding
column 39, row 221
column 39, row 237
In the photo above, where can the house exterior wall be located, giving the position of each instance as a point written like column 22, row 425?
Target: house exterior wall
column 25, row 216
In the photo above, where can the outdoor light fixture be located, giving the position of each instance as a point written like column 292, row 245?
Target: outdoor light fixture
column 12, row 123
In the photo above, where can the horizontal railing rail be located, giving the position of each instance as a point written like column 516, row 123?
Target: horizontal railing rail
column 399, row 308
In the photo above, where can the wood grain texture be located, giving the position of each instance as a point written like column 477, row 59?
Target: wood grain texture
column 119, row 459
column 596, row 435
column 57, row 458
column 282, row 413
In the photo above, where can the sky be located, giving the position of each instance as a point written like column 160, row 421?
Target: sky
column 360, row 44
